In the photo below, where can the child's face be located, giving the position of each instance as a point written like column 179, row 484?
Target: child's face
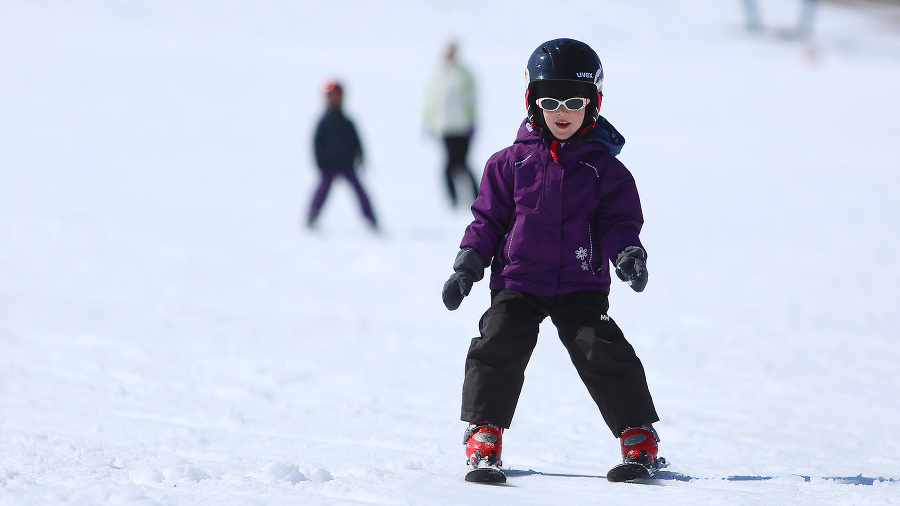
column 333, row 98
column 562, row 122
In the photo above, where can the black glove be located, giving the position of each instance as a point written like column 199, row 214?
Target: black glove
column 631, row 267
column 468, row 268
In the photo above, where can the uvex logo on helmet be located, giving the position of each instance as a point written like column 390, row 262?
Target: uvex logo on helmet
column 588, row 75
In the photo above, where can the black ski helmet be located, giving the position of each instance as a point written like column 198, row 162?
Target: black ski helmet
column 563, row 64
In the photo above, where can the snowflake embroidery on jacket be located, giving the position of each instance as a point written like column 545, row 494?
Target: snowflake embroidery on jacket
column 581, row 253
column 585, row 266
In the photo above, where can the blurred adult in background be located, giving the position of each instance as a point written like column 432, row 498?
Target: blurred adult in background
column 450, row 113
column 338, row 153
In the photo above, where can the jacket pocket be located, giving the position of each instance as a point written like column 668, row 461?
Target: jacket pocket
column 506, row 254
column 528, row 184
column 593, row 250
column 528, row 196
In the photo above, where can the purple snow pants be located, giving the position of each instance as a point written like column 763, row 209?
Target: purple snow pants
column 321, row 194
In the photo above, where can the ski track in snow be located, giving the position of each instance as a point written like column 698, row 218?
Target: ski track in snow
column 171, row 335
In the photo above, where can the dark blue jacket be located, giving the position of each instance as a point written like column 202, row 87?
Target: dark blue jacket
column 337, row 145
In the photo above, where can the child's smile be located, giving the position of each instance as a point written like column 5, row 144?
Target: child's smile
column 562, row 122
column 562, row 125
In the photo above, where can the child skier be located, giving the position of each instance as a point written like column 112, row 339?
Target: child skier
column 553, row 210
column 338, row 153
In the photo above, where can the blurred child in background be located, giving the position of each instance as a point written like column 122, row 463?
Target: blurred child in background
column 338, row 152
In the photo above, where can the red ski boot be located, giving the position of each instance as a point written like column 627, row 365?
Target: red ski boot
column 640, row 449
column 484, row 443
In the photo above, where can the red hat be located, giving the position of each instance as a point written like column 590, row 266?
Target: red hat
column 331, row 85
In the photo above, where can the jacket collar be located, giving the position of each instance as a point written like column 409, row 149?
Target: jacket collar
column 603, row 132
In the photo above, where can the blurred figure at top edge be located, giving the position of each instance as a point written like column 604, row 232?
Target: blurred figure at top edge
column 751, row 12
column 338, row 152
column 754, row 23
column 450, row 112
column 807, row 15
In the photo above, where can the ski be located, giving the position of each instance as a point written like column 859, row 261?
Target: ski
column 628, row 471
column 490, row 475
column 634, row 471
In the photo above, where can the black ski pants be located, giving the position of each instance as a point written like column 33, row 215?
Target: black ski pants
column 605, row 361
column 457, row 147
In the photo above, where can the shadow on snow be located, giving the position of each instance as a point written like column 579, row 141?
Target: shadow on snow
column 847, row 480
column 673, row 476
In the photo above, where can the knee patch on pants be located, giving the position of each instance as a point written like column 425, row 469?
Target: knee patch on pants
column 505, row 335
column 603, row 342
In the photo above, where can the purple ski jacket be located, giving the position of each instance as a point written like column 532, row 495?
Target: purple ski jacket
column 552, row 215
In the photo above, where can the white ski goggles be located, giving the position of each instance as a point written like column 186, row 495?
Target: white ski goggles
column 572, row 104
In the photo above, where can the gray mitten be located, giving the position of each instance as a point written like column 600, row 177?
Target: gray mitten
column 467, row 269
column 631, row 267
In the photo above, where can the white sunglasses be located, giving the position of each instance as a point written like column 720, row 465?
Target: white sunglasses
column 552, row 104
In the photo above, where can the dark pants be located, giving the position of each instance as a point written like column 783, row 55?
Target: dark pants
column 457, row 152
column 325, row 185
column 605, row 361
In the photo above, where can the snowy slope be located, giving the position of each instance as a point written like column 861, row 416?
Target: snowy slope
column 171, row 335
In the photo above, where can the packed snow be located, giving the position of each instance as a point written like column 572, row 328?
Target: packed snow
column 171, row 333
